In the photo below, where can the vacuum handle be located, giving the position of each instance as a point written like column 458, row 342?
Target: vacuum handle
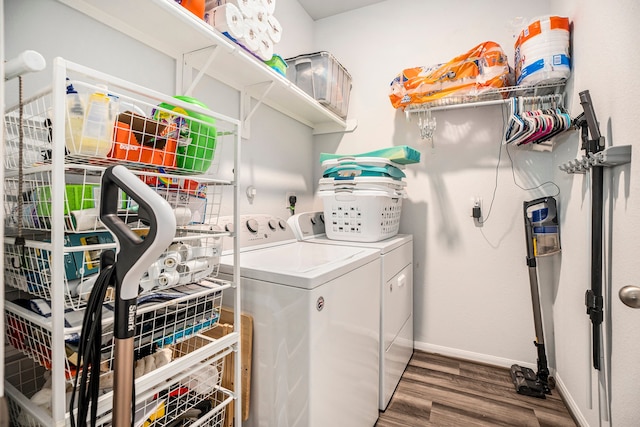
column 590, row 115
column 134, row 253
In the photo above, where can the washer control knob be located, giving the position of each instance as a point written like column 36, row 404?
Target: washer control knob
column 322, row 217
column 313, row 220
column 229, row 227
column 252, row 225
column 282, row 224
column 272, row 224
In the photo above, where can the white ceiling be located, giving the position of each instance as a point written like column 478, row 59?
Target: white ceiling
column 319, row 9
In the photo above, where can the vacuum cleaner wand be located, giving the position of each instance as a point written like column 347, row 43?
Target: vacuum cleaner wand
column 525, row 380
column 593, row 298
column 134, row 257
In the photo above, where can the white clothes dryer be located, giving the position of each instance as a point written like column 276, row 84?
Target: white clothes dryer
column 315, row 338
column 396, row 296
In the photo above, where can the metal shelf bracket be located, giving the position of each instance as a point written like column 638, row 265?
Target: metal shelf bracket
column 185, row 73
column 246, row 109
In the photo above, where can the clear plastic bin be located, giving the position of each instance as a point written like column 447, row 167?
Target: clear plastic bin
column 322, row 77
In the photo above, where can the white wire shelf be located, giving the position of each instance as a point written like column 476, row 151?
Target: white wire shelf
column 189, row 259
column 196, row 201
column 191, row 389
column 489, row 97
column 164, row 320
column 150, row 132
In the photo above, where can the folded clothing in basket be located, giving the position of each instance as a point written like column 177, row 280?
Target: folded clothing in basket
column 402, row 154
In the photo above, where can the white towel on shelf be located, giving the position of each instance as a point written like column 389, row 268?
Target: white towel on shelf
column 227, row 19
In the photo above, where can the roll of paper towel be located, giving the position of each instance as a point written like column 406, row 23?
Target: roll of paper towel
column 171, row 260
column 270, row 5
column 247, row 7
column 168, row 278
column 194, row 266
column 265, row 49
column 251, row 37
column 260, row 18
column 185, row 251
column 542, row 51
column 274, row 29
column 228, row 20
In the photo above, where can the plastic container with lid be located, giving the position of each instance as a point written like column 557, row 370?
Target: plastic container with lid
column 321, row 76
column 546, row 235
column 90, row 128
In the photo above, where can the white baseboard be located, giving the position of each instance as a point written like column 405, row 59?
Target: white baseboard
column 501, row 361
column 470, row 355
column 570, row 402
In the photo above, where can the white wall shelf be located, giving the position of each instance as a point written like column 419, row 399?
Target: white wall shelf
column 490, row 97
column 169, row 28
column 500, row 96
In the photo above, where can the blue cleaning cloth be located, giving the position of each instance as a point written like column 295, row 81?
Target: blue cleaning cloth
column 402, row 154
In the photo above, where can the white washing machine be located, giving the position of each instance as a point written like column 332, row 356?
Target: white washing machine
column 396, row 296
column 316, row 320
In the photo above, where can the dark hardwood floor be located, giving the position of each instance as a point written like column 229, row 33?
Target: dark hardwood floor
column 442, row 391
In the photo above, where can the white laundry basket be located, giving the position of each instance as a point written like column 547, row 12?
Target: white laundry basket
column 361, row 215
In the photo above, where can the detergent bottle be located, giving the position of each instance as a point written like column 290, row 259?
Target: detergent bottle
column 75, row 119
column 98, row 125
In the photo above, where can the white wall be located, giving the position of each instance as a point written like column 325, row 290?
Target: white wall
column 471, row 286
column 603, row 33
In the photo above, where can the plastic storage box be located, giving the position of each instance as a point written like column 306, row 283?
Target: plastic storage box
column 324, row 78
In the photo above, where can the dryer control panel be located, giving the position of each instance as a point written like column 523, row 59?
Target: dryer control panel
column 255, row 230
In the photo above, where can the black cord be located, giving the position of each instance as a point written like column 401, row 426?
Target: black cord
column 495, row 185
column 87, row 380
column 513, row 174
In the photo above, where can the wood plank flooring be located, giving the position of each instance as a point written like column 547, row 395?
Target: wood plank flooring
column 442, row 391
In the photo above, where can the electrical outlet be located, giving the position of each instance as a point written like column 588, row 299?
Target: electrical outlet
column 476, row 208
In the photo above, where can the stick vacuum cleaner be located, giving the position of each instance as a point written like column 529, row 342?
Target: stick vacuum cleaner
column 135, row 255
column 542, row 238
